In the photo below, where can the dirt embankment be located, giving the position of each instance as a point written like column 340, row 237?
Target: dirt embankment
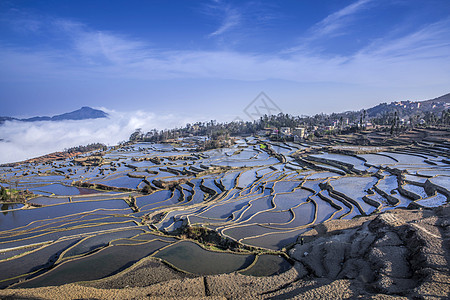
column 401, row 253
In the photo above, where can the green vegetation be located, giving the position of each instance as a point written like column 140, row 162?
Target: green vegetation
column 4, row 195
column 13, row 195
column 87, row 148
column 209, row 238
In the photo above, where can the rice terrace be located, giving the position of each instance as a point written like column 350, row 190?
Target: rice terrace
column 278, row 215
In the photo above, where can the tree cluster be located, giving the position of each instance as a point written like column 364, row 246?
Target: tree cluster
column 87, row 148
column 4, row 195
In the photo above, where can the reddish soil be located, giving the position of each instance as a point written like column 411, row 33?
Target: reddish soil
column 45, row 158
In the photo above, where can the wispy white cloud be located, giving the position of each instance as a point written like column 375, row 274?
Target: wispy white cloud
column 228, row 16
column 333, row 25
column 231, row 19
column 24, row 140
column 339, row 19
column 104, row 46
column 429, row 42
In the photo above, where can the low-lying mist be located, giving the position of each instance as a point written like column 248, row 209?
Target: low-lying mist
column 25, row 140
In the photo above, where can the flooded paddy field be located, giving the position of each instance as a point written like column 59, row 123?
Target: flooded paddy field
column 236, row 209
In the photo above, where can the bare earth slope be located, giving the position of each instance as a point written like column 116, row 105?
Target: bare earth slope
column 399, row 254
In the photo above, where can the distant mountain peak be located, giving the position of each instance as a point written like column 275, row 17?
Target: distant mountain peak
column 83, row 113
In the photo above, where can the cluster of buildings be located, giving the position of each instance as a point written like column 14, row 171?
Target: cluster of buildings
column 427, row 105
column 407, row 104
column 298, row 133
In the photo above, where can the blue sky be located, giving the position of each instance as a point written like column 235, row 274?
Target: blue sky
column 209, row 59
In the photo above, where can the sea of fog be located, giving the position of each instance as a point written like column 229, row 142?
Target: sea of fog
column 23, row 140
